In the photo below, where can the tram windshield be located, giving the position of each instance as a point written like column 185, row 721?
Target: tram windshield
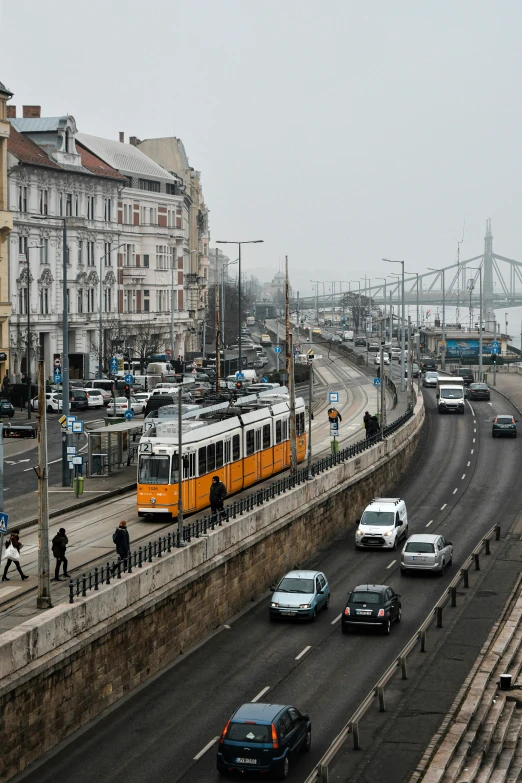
column 153, row 469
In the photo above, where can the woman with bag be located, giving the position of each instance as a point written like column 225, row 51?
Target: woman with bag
column 13, row 547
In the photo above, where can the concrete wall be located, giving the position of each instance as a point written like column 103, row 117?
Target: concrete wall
column 59, row 670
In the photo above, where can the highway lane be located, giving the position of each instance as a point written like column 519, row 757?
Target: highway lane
column 167, row 723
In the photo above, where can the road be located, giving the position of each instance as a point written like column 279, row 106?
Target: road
column 162, row 728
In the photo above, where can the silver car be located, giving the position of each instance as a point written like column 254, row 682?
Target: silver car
column 426, row 553
column 300, row 594
column 430, row 378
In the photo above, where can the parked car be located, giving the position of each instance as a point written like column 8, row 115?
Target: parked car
column 263, row 738
column 6, row 408
column 78, row 400
column 300, row 594
column 53, row 402
column 478, row 391
column 120, row 405
column 505, row 425
column 430, row 379
column 423, row 552
column 94, row 398
column 371, row 606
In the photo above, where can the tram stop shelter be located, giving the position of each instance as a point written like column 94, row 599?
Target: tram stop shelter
column 112, row 448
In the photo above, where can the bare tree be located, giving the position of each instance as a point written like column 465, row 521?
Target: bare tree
column 143, row 340
column 359, row 307
column 229, row 324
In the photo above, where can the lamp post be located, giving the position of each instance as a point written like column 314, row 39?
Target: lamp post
column 358, row 306
column 234, row 242
column 173, row 264
column 417, row 290
column 443, row 353
column 384, row 279
column 28, row 369
column 230, row 263
column 481, row 305
column 100, row 325
column 403, row 325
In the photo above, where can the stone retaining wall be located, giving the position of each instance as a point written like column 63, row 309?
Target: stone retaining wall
column 64, row 667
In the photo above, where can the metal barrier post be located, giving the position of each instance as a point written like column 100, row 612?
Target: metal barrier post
column 380, row 694
column 465, row 576
column 486, row 542
column 454, row 596
column 477, row 561
column 404, row 667
column 439, row 616
column 497, row 532
column 355, row 730
column 423, row 641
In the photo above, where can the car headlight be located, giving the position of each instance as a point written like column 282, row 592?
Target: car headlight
column 388, row 533
column 274, row 604
column 304, row 606
column 359, row 533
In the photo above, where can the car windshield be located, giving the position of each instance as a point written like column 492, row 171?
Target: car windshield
column 504, row 420
column 296, row 585
column 419, row 546
column 479, row 386
column 153, row 470
column 249, row 732
column 380, row 518
column 451, row 394
column 365, row 598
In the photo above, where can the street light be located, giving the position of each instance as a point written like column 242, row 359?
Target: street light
column 416, row 273
column 234, row 242
column 443, row 353
column 358, row 307
column 174, row 263
column 384, row 279
column 403, row 325
column 223, row 266
column 479, row 269
column 28, row 368
column 100, row 325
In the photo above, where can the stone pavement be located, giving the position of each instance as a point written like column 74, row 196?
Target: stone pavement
column 509, row 384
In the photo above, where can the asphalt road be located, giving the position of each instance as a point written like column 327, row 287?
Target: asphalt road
column 461, row 482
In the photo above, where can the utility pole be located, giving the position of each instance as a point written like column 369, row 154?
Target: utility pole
column 174, row 263
column 180, row 469
column 43, row 600
column 66, row 477
column 410, row 366
column 298, row 322
column 381, row 389
column 290, row 374
column 310, row 400
column 218, row 337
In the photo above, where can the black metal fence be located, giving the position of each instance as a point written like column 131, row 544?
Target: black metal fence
column 200, row 527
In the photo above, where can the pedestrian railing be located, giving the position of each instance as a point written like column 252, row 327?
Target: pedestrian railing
column 200, row 527
column 321, row 770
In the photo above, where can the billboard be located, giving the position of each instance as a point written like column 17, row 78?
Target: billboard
column 456, row 349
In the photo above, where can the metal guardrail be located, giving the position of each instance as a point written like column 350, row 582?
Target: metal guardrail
column 321, row 770
column 92, row 580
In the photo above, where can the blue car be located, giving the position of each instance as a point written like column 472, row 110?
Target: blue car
column 263, row 738
column 300, row 594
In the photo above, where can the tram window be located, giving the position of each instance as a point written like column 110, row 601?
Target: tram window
column 249, row 443
column 278, row 431
column 299, row 428
column 219, row 454
column 266, row 436
column 211, row 457
column 174, row 469
column 202, row 461
column 227, row 451
column 258, row 440
column 153, row 470
column 285, row 429
column 235, row 448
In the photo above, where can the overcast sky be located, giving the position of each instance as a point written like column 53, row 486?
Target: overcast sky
column 337, row 131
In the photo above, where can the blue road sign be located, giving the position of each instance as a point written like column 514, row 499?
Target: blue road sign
column 333, row 396
column 494, row 350
column 495, row 344
column 57, row 377
column 114, row 365
column 240, row 376
column 129, row 414
column 277, row 349
column 129, row 378
column 264, row 379
column 376, row 381
column 4, row 519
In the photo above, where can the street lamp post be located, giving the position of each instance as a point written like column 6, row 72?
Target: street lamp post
column 383, row 278
column 28, row 360
column 358, row 306
column 403, row 325
column 443, row 353
column 417, row 292
column 230, row 263
column 174, row 270
column 481, row 305
column 100, row 325
column 234, row 242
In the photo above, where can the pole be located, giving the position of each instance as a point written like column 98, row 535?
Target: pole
column 391, row 318
column 240, row 368
column 174, row 262
column 310, row 400
column 277, row 354
column 180, row 469
column 223, row 305
column 43, row 600
column 28, row 369
column 410, row 366
column 1, row 484
column 66, row 479
column 298, row 322
column 204, row 335
column 418, row 322
column 443, row 358
column 287, row 322
column 100, row 325
column 403, row 335
column 218, row 338
column 383, row 396
column 480, row 326
column 291, row 389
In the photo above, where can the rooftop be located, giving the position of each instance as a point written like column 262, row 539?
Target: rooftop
column 27, row 151
column 124, row 157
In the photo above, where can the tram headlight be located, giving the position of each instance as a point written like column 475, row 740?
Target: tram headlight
column 152, row 501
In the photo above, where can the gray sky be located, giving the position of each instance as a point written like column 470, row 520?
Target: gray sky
column 338, row 132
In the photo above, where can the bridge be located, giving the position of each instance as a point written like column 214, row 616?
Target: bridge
column 456, row 285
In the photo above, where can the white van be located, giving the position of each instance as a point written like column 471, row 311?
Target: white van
column 348, row 336
column 249, row 376
column 450, row 394
column 383, row 524
column 158, row 368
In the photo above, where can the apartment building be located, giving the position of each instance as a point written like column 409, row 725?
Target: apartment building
column 6, row 224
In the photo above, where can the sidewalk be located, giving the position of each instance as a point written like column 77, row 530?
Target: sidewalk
column 509, row 384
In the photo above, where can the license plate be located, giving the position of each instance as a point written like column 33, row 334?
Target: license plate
column 419, row 559
column 246, row 761
column 362, row 611
column 283, row 612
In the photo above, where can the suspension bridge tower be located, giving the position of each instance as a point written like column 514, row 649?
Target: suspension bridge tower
column 488, row 280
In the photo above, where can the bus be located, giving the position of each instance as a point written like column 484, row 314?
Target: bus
column 250, row 321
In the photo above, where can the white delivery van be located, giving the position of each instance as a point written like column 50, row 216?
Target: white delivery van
column 348, row 336
column 159, row 368
column 383, row 525
column 249, row 376
column 450, row 394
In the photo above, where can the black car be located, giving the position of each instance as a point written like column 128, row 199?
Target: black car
column 428, row 363
column 78, row 400
column 466, row 373
column 478, row 391
column 263, row 738
column 360, row 341
column 6, row 408
column 374, row 347
column 372, row 606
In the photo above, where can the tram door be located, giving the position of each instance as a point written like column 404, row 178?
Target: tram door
column 189, row 481
column 258, row 453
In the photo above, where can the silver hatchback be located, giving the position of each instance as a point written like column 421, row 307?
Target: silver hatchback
column 426, row 553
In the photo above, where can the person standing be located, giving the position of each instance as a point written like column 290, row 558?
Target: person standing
column 122, row 541
column 373, row 427
column 60, row 542
column 218, row 493
column 366, row 422
column 13, row 546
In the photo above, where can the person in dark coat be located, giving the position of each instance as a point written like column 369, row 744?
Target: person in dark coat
column 218, row 493
column 366, row 421
column 13, row 540
column 60, row 542
column 122, row 541
column 373, row 427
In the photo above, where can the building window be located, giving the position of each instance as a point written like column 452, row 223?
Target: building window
column 44, row 301
column 130, row 255
column 22, row 301
column 90, row 253
column 146, row 301
column 90, row 207
column 22, row 199
column 90, row 300
column 107, row 210
column 107, row 249
column 80, row 301
column 130, row 301
column 107, row 297
column 76, row 205
column 162, row 301
column 60, row 204
column 149, row 184
column 161, row 256
column 22, row 248
column 44, row 202
column 145, row 260
column 44, row 252
column 128, row 214
column 170, row 187
column 68, row 204
column 80, row 251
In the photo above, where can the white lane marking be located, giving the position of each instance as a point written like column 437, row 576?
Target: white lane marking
column 392, row 563
column 473, row 440
column 207, row 747
column 429, row 523
column 303, row 652
column 469, row 463
column 471, row 409
column 472, row 450
column 334, row 622
column 474, row 421
column 455, row 490
column 463, row 477
column 443, row 507
column 261, row 693
column 474, row 430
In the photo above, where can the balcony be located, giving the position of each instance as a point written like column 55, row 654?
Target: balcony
column 135, row 272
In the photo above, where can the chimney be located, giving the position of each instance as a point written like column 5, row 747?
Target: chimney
column 11, row 112
column 122, row 137
column 32, row 111
column 133, row 140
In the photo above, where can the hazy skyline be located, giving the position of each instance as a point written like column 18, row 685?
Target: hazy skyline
column 337, row 132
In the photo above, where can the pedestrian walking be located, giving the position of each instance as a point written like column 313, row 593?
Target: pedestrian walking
column 13, row 546
column 59, row 543
column 122, row 541
column 373, row 427
column 366, row 420
column 218, row 493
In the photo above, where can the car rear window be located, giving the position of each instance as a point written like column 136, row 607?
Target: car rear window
column 249, row 732
column 504, row 420
column 419, row 546
column 365, row 598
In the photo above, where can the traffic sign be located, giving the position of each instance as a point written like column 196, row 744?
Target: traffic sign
column 277, row 349
column 70, row 420
column 129, row 414
column 333, row 396
column 334, row 429
column 57, row 362
column 77, row 427
column 57, row 377
column 62, row 420
column 494, row 351
column 240, row 376
column 4, row 519
column 495, row 344
column 77, row 460
column 114, row 365
column 376, row 381
column 71, row 450
column 129, row 378
column 264, row 379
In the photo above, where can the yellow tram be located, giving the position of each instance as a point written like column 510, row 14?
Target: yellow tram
column 240, row 445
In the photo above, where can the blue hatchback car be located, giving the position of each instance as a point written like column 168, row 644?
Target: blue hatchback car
column 263, row 738
column 300, row 594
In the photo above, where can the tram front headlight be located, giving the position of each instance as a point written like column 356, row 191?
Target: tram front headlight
column 153, row 500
